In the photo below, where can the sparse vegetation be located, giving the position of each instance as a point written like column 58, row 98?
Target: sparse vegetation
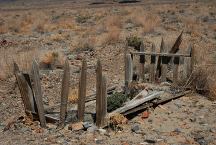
column 134, row 41
column 115, row 101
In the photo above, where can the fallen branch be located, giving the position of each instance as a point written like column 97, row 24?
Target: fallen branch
column 140, row 99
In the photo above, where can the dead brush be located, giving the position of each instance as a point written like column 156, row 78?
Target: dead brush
column 202, row 81
column 73, row 95
column 113, row 36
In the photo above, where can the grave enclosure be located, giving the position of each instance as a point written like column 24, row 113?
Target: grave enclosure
column 31, row 92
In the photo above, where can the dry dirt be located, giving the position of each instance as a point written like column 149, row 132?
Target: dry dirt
column 76, row 30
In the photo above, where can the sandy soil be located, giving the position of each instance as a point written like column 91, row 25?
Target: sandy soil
column 33, row 30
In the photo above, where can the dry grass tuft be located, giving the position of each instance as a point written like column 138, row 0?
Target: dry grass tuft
column 113, row 35
column 73, row 95
column 203, row 81
column 49, row 57
column 56, row 37
column 23, row 59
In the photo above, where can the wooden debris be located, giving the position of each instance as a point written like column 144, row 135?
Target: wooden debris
column 140, row 99
column 82, row 91
column 38, row 93
column 64, row 94
column 98, row 94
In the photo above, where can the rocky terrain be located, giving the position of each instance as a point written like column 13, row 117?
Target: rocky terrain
column 50, row 32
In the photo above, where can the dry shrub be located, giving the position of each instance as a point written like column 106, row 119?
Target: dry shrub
column 113, row 36
column 146, row 21
column 23, row 59
column 113, row 21
column 203, row 81
column 86, row 43
column 73, row 95
column 192, row 26
column 49, row 57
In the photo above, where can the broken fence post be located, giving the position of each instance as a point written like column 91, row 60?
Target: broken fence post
column 64, row 94
column 99, row 94
column 152, row 65
column 82, row 91
column 104, row 101
column 176, row 61
column 26, row 93
column 142, row 63
column 38, row 93
column 158, row 68
column 128, row 72
column 164, row 60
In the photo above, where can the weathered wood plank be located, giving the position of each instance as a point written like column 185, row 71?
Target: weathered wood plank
column 175, row 69
column 104, row 101
column 158, row 68
column 64, row 94
column 26, row 92
column 141, row 98
column 164, row 60
column 152, row 65
column 161, row 54
column 82, row 91
column 142, row 63
column 128, row 72
column 38, row 93
column 98, row 94
column 187, row 63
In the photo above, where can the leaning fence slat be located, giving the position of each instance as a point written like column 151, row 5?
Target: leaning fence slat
column 26, row 92
column 104, row 101
column 187, row 64
column 152, row 65
column 98, row 94
column 142, row 63
column 176, row 61
column 64, row 94
column 82, row 91
column 38, row 93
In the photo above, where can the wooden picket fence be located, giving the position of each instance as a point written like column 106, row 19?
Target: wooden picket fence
column 159, row 62
column 31, row 94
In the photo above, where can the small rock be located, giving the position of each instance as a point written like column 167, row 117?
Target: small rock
column 92, row 129
column 135, row 128
column 145, row 114
column 192, row 119
column 102, row 131
column 177, row 130
column 98, row 141
column 150, row 141
column 86, row 125
column 76, row 126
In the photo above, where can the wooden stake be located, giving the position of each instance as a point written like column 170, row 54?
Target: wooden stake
column 104, row 101
column 64, row 94
column 152, row 65
column 99, row 94
column 175, row 69
column 26, row 93
column 142, row 63
column 158, row 71
column 128, row 72
column 82, row 91
column 38, row 93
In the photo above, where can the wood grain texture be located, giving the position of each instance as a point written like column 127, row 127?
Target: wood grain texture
column 82, row 91
column 38, row 93
column 64, row 94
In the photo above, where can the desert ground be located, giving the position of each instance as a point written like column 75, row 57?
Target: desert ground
column 52, row 31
